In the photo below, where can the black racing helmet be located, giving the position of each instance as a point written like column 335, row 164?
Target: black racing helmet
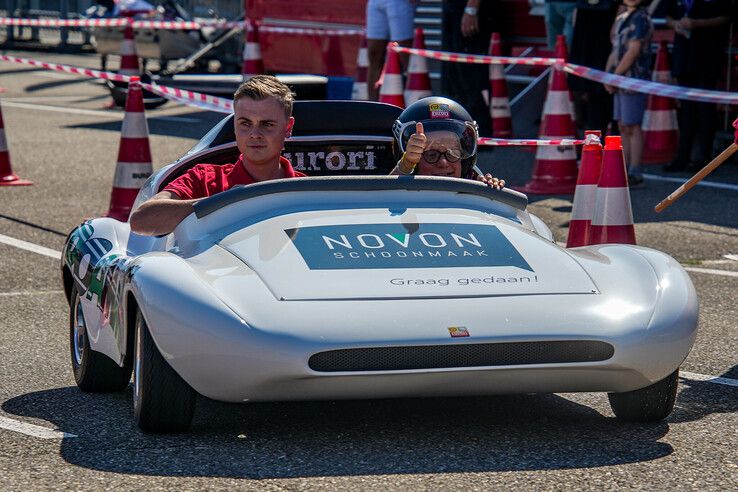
column 440, row 113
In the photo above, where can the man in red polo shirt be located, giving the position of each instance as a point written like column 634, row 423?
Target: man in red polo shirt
column 262, row 108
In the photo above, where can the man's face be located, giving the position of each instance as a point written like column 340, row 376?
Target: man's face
column 261, row 127
column 441, row 141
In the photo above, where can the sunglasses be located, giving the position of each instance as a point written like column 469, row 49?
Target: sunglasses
column 432, row 156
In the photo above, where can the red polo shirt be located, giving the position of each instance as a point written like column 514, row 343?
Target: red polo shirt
column 205, row 180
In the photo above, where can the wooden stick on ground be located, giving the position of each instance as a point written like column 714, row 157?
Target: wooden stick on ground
column 701, row 174
column 697, row 177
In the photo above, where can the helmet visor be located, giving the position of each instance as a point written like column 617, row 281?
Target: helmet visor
column 464, row 131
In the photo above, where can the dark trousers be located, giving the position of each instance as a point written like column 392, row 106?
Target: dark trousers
column 696, row 123
column 593, row 110
column 464, row 82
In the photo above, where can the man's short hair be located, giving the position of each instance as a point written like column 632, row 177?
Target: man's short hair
column 260, row 87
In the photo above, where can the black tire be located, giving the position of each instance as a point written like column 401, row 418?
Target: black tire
column 93, row 371
column 162, row 400
column 649, row 404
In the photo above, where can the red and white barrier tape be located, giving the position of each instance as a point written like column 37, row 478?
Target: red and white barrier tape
column 12, row 21
column 649, row 87
column 515, row 142
column 87, row 72
column 627, row 83
column 483, row 59
column 190, row 98
column 174, row 25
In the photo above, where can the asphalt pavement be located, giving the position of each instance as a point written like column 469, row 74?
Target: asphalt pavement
column 54, row 437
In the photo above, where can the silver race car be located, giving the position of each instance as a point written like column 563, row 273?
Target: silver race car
column 353, row 284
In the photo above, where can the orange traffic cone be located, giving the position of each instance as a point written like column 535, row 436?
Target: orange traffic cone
column 252, row 62
column 359, row 90
column 418, row 81
column 555, row 169
column 7, row 178
column 499, row 104
column 612, row 221
column 134, row 155
column 391, row 90
column 128, row 58
column 585, row 193
column 660, row 129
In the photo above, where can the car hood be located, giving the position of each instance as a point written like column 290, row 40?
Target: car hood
column 378, row 254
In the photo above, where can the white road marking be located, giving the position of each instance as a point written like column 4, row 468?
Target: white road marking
column 90, row 112
column 31, row 99
column 30, row 293
column 731, row 257
column 709, row 379
column 711, row 271
column 32, row 430
column 709, row 184
column 35, row 248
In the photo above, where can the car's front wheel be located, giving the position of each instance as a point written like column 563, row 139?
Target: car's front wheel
column 93, row 371
column 650, row 404
column 162, row 400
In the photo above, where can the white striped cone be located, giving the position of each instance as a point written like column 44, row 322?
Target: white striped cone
column 359, row 90
column 7, row 178
column 252, row 62
column 585, row 194
column 418, row 81
column 134, row 155
column 612, row 221
column 391, row 90
column 555, row 170
column 128, row 58
column 660, row 128
column 499, row 104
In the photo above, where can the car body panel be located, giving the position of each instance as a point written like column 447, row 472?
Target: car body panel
column 247, row 292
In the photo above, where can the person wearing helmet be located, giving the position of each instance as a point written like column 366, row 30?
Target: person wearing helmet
column 438, row 137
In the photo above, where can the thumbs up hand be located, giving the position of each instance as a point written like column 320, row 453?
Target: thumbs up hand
column 414, row 150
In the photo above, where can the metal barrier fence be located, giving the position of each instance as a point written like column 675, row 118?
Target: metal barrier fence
column 66, row 37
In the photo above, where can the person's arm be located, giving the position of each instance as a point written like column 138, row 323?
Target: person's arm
column 469, row 22
column 691, row 24
column 160, row 214
column 411, row 157
column 633, row 51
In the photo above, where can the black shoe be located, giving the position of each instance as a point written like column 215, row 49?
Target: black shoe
column 635, row 181
column 675, row 167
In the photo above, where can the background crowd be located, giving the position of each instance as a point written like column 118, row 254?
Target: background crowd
column 611, row 35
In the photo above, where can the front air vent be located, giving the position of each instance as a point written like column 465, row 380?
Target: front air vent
column 460, row 355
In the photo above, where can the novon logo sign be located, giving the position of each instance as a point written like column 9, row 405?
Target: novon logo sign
column 358, row 246
column 377, row 241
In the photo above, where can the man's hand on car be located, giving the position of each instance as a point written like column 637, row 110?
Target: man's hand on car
column 491, row 181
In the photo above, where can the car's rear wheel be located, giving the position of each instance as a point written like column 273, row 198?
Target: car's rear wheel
column 162, row 400
column 93, row 371
column 649, row 404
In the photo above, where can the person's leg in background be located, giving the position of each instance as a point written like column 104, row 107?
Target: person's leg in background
column 554, row 23
column 377, row 36
column 401, row 16
column 633, row 109
column 566, row 11
column 705, row 133
column 687, row 112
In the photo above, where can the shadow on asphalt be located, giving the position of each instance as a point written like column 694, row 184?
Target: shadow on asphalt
column 54, row 84
column 374, row 437
column 700, row 398
column 164, row 127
